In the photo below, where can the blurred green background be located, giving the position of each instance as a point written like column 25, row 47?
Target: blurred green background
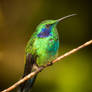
column 18, row 20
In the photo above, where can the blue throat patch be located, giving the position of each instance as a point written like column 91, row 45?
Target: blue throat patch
column 45, row 32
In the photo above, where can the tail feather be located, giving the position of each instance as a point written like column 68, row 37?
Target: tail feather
column 27, row 85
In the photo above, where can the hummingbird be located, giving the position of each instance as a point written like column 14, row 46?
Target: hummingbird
column 41, row 49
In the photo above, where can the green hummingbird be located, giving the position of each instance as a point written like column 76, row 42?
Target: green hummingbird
column 41, row 49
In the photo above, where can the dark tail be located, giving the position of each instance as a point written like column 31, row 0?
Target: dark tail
column 27, row 85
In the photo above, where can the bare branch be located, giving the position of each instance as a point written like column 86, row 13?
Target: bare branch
column 41, row 68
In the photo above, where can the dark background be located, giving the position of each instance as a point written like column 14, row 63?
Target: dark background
column 18, row 20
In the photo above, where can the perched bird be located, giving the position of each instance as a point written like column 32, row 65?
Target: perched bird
column 41, row 49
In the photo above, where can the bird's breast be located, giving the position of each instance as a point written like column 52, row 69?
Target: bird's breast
column 46, row 49
column 53, row 46
column 46, row 45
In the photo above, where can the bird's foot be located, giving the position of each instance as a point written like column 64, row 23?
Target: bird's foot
column 41, row 68
column 49, row 64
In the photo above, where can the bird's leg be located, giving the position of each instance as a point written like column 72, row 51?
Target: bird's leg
column 49, row 64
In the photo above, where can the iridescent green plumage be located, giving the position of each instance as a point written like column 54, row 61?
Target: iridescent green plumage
column 41, row 49
column 41, row 46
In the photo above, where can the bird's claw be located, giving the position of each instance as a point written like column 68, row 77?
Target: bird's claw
column 49, row 64
column 41, row 67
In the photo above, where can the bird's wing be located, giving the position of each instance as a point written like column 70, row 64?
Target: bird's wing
column 29, row 64
column 27, row 85
column 29, row 46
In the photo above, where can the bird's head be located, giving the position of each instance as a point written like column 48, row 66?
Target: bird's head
column 44, row 28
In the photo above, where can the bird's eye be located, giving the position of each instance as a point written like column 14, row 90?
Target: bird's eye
column 48, row 25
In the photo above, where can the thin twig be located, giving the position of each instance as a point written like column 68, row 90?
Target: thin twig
column 41, row 68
